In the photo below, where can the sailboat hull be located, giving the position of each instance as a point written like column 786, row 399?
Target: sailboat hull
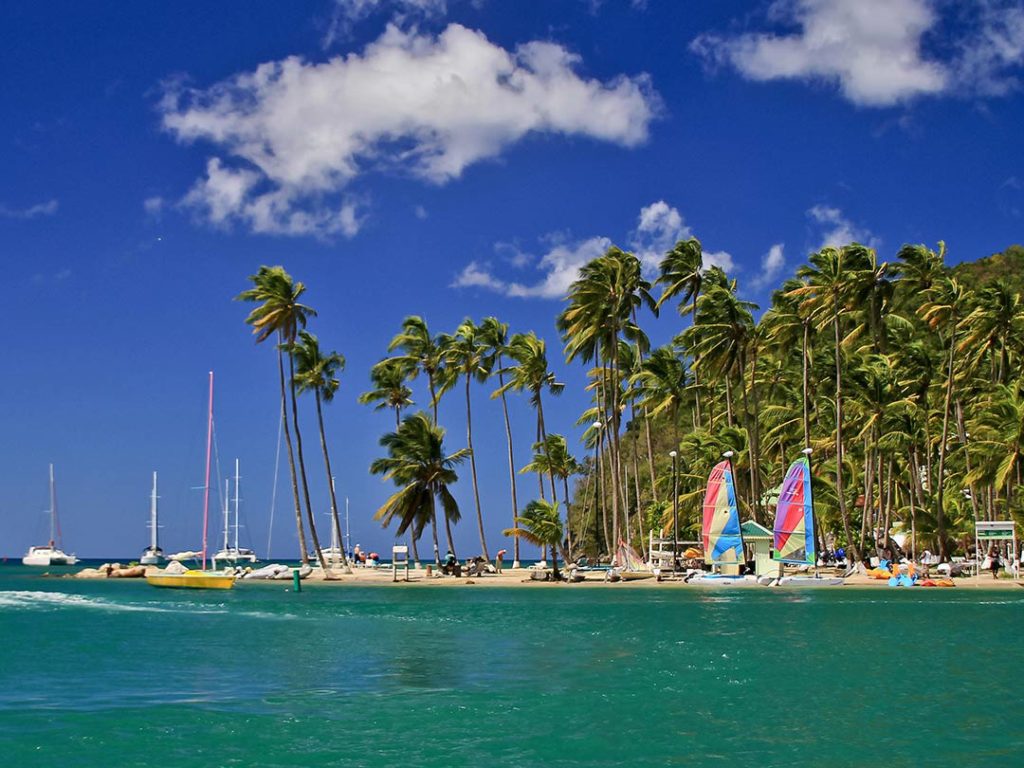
column 192, row 580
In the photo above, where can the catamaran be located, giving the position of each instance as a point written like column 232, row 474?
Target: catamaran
column 233, row 553
column 152, row 555
column 198, row 579
column 793, row 539
column 721, row 533
column 51, row 554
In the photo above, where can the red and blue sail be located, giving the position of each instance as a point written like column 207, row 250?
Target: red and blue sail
column 723, row 540
column 794, row 517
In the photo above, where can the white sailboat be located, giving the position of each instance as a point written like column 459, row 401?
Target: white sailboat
column 181, row 578
column 51, row 554
column 233, row 553
column 152, row 555
column 333, row 554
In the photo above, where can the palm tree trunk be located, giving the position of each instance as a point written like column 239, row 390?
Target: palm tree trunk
column 472, row 467
column 940, row 514
column 843, row 511
column 806, row 383
column 302, row 470
column 568, row 528
column 602, row 488
column 330, row 478
column 433, row 509
column 303, row 550
column 511, row 463
column 696, row 375
column 650, row 456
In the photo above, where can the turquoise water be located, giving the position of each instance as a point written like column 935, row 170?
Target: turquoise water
column 119, row 673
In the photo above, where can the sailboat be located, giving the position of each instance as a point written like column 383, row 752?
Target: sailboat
column 721, row 533
column 333, row 554
column 793, row 537
column 152, row 555
column 51, row 554
column 233, row 553
column 194, row 578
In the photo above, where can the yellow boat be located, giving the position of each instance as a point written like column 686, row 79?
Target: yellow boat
column 192, row 580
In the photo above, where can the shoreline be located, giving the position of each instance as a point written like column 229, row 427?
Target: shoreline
column 521, row 578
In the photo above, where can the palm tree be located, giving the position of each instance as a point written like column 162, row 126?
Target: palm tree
column 942, row 312
column 530, row 374
column 552, row 457
column 601, row 311
column 541, row 525
column 417, row 464
column 280, row 314
column 317, row 372
column 495, row 335
column 825, row 294
column 388, row 378
column 466, row 354
column 422, row 353
column 682, row 274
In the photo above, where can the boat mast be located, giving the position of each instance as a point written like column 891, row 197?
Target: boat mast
column 348, row 534
column 236, row 505
column 53, row 507
column 227, row 510
column 152, row 517
column 206, row 485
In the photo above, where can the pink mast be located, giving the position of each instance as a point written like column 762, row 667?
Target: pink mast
column 206, row 485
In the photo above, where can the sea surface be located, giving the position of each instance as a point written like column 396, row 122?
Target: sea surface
column 117, row 673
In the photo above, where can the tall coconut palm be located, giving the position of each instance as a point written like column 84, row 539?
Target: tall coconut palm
column 280, row 314
column 466, row 355
column 826, row 294
column 600, row 312
column 942, row 312
column 317, row 372
column 552, row 457
column 681, row 272
column 388, row 379
column 530, row 373
column 541, row 525
column 494, row 334
column 421, row 353
column 417, row 464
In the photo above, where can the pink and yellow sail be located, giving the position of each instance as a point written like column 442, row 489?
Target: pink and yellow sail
column 723, row 540
column 794, row 517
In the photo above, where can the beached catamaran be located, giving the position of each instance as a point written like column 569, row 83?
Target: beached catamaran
column 198, row 579
column 794, row 525
column 720, row 532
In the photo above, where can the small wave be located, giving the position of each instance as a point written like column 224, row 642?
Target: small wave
column 37, row 600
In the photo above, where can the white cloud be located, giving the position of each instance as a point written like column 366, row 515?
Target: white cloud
column 836, row 229
column 870, row 48
column 49, row 208
column 420, row 212
column 154, row 206
column 346, row 13
column 292, row 134
column 659, row 227
column 995, row 47
column 771, row 265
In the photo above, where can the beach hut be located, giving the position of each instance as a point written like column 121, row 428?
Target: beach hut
column 759, row 540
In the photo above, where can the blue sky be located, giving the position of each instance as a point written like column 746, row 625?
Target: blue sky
column 448, row 159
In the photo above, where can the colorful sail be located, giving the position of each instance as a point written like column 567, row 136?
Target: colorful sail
column 723, row 541
column 794, row 518
column 627, row 558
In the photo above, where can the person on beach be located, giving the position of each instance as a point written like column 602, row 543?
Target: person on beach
column 498, row 559
column 994, row 563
